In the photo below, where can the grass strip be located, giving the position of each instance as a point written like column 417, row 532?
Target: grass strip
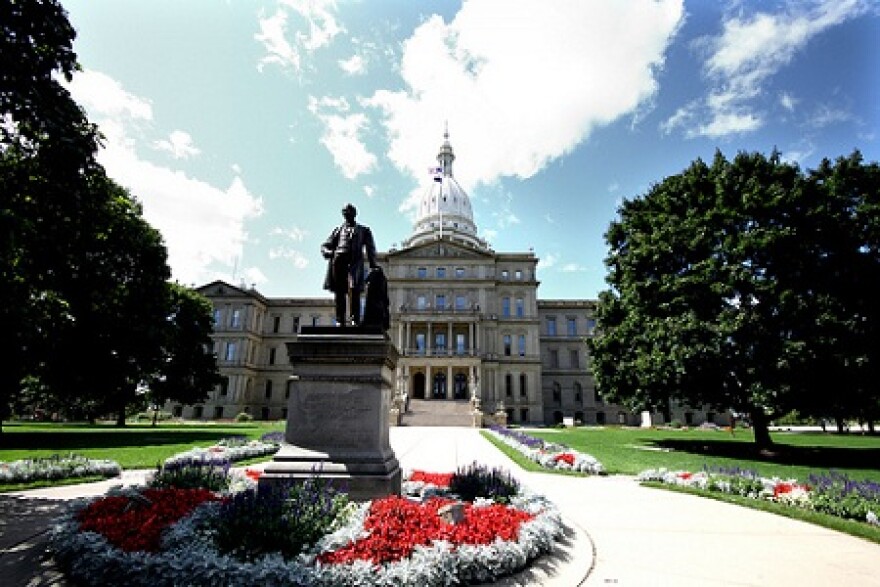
column 851, row 527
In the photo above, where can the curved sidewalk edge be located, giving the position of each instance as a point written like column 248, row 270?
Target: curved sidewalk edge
column 568, row 565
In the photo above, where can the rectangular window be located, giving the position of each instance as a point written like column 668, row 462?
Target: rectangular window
column 522, row 345
column 520, row 308
column 518, row 275
column 591, row 325
column 268, row 389
column 218, row 318
column 508, row 385
column 573, row 358
column 505, row 307
column 554, row 359
column 571, row 327
column 421, row 303
column 276, row 324
column 507, row 344
column 235, row 322
column 316, row 320
column 296, row 324
column 441, row 302
column 287, row 390
column 272, row 356
column 441, row 272
column 218, row 412
column 460, row 302
column 523, row 414
column 459, row 272
column 230, row 351
column 440, row 341
column 422, row 272
column 523, row 387
column 459, row 344
column 420, row 343
column 198, row 412
column 224, row 386
column 551, row 325
column 505, row 274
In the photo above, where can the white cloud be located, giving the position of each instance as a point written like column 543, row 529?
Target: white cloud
column 826, row 115
column 103, row 94
column 573, row 268
column 179, row 144
column 341, row 136
column 278, row 50
column 522, row 83
column 787, row 101
column 369, row 191
column 317, row 19
column 299, row 260
column 548, row 261
column 253, row 276
column 355, row 65
column 295, row 233
column 749, row 50
column 203, row 225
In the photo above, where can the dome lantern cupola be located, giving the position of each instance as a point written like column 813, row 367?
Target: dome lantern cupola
column 445, row 209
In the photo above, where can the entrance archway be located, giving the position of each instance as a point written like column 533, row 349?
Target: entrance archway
column 419, row 386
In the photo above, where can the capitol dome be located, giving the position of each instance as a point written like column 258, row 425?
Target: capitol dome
column 445, row 208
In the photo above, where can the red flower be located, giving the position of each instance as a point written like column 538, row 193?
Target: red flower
column 253, row 474
column 782, row 488
column 397, row 525
column 135, row 524
column 438, row 479
column 685, row 475
column 565, row 457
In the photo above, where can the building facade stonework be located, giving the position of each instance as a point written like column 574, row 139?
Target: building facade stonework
column 466, row 320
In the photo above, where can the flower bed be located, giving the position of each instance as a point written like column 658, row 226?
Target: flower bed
column 389, row 541
column 230, row 450
column 57, row 467
column 832, row 493
column 548, row 454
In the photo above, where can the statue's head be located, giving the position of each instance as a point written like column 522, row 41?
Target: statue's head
column 349, row 212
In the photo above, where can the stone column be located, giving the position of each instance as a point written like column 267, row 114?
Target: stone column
column 338, row 412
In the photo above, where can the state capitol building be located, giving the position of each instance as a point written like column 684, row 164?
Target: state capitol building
column 466, row 320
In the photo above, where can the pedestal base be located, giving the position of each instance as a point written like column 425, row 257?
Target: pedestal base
column 338, row 413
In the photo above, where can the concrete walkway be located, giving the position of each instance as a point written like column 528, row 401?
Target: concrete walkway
column 619, row 533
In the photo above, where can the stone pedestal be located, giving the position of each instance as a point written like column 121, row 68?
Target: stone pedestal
column 338, row 412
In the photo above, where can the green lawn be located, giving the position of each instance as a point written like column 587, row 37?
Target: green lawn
column 136, row 446
column 631, row 450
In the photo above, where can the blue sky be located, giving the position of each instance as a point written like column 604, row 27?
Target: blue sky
column 244, row 126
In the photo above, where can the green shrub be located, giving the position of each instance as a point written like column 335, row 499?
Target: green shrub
column 675, row 424
column 243, row 417
column 277, row 518
column 479, row 481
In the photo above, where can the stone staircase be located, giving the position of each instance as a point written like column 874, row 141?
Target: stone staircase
column 438, row 413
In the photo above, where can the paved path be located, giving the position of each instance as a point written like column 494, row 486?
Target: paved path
column 621, row 533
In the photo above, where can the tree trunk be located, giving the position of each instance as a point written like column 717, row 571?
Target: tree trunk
column 761, row 429
column 840, row 425
column 155, row 417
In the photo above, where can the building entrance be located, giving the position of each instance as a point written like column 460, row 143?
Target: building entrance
column 459, row 386
column 419, row 386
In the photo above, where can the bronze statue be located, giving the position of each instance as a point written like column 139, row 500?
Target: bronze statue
column 344, row 251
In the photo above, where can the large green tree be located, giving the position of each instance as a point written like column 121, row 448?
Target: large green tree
column 47, row 148
column 188, row 369
column 726, row 287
